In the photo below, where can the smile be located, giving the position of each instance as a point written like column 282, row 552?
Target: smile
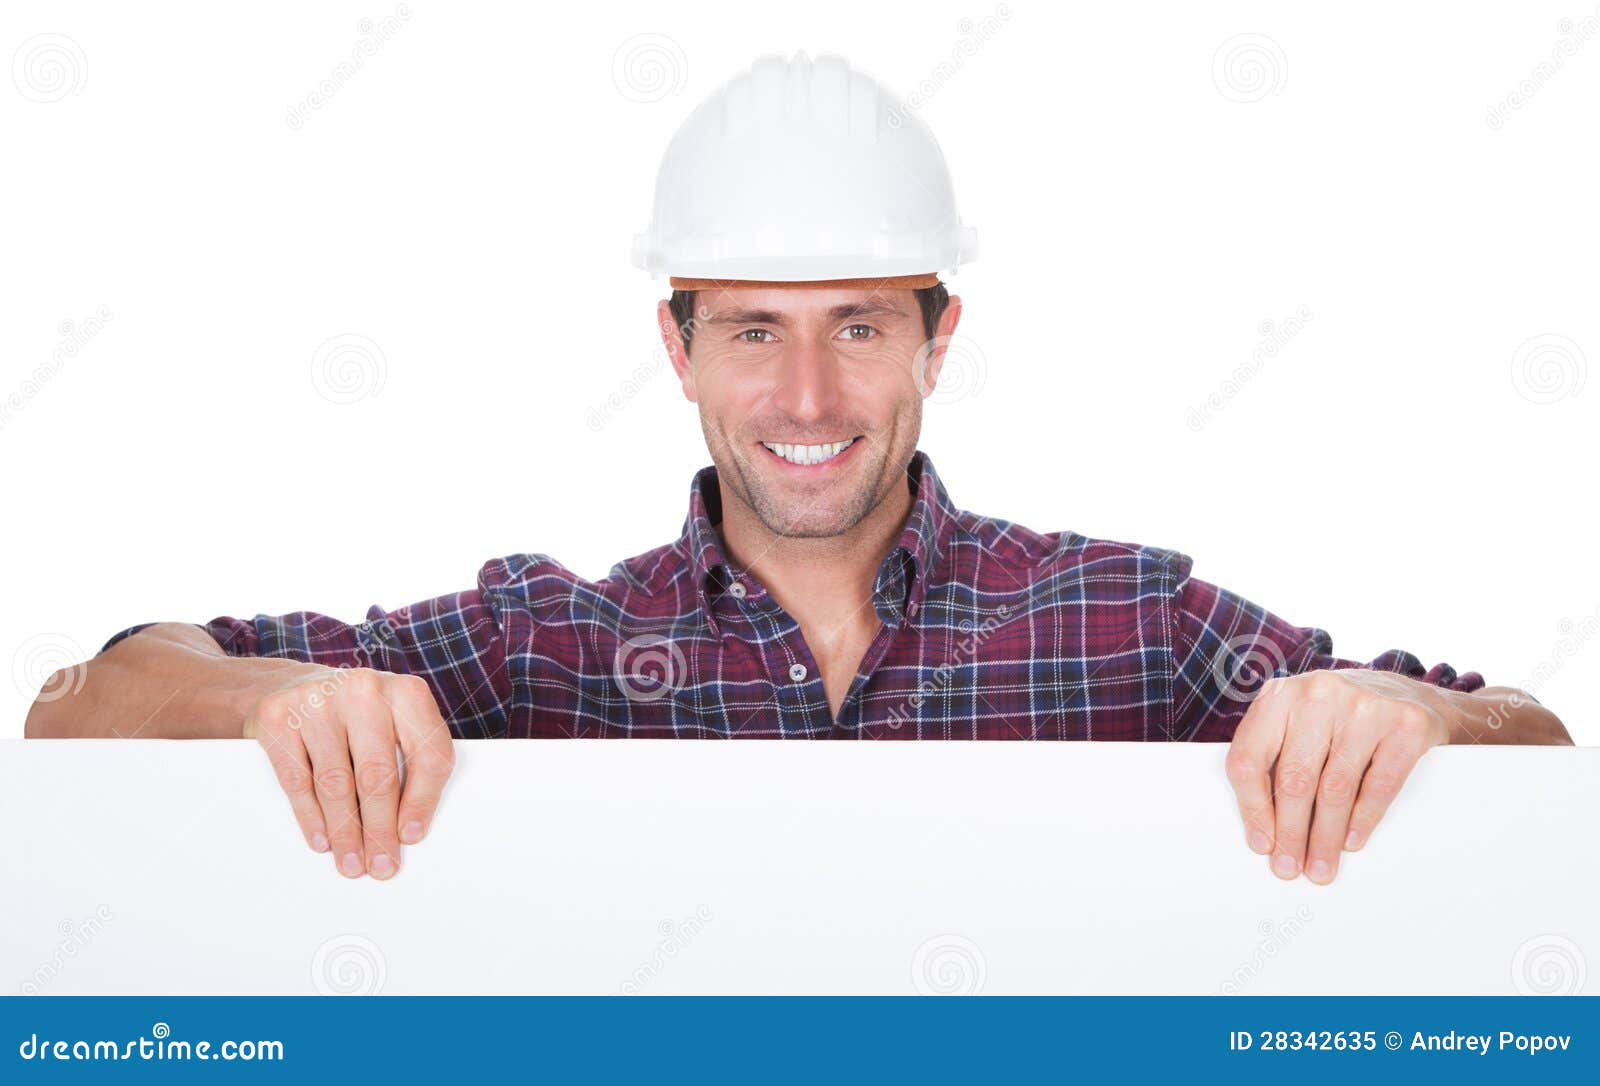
column 808, row 454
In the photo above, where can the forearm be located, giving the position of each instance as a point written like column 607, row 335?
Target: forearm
column 169, row 681
column 1499, row 714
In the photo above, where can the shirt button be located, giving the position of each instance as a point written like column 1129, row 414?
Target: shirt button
column 797, row 672
column 911, row 609
column 737, row 590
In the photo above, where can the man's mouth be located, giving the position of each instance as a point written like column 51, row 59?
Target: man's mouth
column 807, row 455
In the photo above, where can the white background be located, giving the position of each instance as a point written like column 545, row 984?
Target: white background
column 466, row 201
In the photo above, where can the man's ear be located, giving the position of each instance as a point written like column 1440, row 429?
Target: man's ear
column 931, row 355
column 677, row 354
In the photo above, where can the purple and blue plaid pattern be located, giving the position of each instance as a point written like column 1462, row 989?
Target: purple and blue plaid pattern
column 989, row 631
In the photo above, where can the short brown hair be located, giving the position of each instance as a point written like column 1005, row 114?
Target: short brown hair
column 931, row 300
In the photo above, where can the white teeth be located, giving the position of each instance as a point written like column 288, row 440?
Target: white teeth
column 809, row 454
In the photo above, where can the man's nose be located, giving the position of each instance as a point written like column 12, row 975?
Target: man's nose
column 808, row 381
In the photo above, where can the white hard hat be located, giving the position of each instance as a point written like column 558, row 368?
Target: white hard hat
column 799, row 171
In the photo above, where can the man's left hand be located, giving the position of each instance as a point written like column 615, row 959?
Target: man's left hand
column 1318, row 758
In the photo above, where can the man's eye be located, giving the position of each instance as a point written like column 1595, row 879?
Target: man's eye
column 860, row 331
column 755, row 335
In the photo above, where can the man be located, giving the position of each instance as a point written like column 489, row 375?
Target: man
column 824, row 584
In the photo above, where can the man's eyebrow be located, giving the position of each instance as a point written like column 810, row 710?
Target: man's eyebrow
column 745, row 316
column 870, row 307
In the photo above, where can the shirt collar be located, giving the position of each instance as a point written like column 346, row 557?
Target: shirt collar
column 903, row 575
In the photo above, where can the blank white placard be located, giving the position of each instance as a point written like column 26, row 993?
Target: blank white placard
column 594, row 866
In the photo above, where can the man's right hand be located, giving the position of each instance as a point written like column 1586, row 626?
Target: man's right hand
column 333, row 736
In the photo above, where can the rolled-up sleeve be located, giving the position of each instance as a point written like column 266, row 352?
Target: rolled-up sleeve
column 1225, row 647
column 457, row 642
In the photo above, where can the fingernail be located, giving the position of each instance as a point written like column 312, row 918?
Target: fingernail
column 1284, row 865
column 1352, row 841
column 319, row 842
column 351, row 864
column 382, row 866
column 1319, row 871
column 1259, row 842
column 411, row 832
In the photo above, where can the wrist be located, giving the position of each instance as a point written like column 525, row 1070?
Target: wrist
column 1500, row 714
column 240, row 683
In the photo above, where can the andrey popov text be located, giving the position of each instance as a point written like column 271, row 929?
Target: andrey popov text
column 1368, row 1040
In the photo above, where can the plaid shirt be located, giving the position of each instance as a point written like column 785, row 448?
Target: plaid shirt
column 989, row 631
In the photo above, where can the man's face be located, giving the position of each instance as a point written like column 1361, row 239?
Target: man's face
column 809, row 397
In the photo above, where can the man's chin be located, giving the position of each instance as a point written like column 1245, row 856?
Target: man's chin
column 806, row 524
column 806, row 508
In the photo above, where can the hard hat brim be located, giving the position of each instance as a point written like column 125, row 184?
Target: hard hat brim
column 887, row 282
